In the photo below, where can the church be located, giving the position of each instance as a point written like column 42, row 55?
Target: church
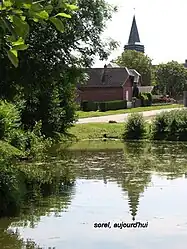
column 134, row 39
column 113, row 82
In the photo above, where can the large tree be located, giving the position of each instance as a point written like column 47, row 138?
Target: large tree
column 171, row 78
column 138, row 61
column 15, row 16
column 50, row 68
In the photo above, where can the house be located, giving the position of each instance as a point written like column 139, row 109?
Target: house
column 108, row 84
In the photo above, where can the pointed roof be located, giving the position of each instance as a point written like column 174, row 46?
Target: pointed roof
column 134, row 35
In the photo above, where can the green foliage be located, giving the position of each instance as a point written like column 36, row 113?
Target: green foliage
column 104, row 106
column 135, row 127
column 170, row 126
column 9, row 118
column 10, row 197
column 44, row 83
column 87, row 106
column 146, row 99
column 138, row 61
column 171, row 78
column 19, row 182
column 15, row 18
column 112, row 105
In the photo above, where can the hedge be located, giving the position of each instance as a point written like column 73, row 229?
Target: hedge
column 88, row 106
column 103, row 106
column 112, row 105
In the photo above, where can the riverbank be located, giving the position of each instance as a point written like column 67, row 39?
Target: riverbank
column 166, row 125
column 97, row 131
column 82, row 114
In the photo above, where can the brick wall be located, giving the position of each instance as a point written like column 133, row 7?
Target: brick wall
column 101, row 93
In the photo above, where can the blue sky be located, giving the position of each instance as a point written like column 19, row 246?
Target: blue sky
column 161, row 24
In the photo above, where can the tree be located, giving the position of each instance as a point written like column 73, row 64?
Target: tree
column 138, row 61
column 15, row 16
column 171, row 78
column 49, row 69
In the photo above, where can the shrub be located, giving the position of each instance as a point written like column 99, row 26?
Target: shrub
column 149, row 97
column 18, row 138
column 146, row 99
column 112, row 105
column 135, row 127
column 87, row 106
column 159, row 125
column 170, row 126
column 9, row 118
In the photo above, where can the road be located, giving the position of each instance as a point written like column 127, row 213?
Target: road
column 120, row 118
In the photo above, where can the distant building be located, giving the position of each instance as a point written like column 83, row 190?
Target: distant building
column 109, row 83
column 134, row 39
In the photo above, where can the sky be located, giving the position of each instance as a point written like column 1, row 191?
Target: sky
column 161, row 24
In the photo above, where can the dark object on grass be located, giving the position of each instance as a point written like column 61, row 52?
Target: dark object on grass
column 112, row 122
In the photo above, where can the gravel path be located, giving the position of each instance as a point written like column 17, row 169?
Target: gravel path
column 120, row 118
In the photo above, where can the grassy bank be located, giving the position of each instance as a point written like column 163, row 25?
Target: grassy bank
column 82, row 114
column 97, row 131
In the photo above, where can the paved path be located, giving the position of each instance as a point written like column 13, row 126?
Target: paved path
column 120, row 118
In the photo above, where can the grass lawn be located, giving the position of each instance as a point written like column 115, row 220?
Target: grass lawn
column 97, row 130
column 82, row 114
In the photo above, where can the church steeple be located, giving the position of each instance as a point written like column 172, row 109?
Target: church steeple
column 134, row 35
column 134, row 39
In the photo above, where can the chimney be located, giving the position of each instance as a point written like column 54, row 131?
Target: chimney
column 103, row 77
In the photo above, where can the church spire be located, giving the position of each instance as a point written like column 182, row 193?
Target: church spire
column 134, row 35
column 134, row 39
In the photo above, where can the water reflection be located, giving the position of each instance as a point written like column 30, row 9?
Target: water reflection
column 134, row 168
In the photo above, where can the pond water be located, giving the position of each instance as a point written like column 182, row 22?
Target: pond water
column 134, row 182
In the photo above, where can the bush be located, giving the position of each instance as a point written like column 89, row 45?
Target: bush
column 87, row 106
column 9, row 118
column 146, row 99
column 170, row 126
column 135, row 127
column 150, row 98
column 112, row 105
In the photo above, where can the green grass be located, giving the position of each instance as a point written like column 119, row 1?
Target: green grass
column 82, row 114
column 97, row 130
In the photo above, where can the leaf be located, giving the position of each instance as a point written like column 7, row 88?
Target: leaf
column 7, row 3
column 23, row 4
column 36, row 7
column 35, row 20
column 63, row 15
column 20, row 41
column 58, row 23
column 49, row 8
column 16, row 11
column 21, row 27
column 39, row 15
column 71, row 6
column 11, row 29
column 12, row 55
column 20, row 47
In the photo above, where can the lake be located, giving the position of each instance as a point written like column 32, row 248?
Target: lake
column 115, row 184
